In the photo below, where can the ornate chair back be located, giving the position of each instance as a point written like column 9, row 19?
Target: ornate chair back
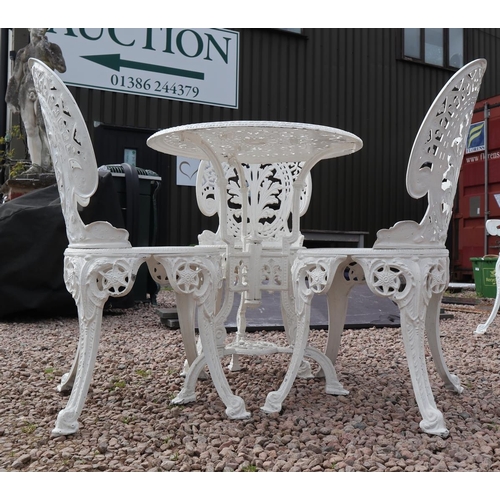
column 435, row 161
column 74, row 162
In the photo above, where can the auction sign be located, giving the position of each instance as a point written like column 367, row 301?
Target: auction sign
column 184, row 64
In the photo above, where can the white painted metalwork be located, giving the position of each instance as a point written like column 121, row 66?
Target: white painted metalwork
column 268, row 216
column 493, row 228
column 99, row 261
column 409, row 262
column 256, row 177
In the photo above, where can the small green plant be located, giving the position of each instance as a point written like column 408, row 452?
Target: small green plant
column 143, row 373
column 174, row 456
column 128, row 419
column 249, row 468
column 169, row 403
column 119, row 384
column 28, row 428
column 17, row 169
column 49, row 369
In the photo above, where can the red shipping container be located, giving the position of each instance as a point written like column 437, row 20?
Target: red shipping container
column 469, row 238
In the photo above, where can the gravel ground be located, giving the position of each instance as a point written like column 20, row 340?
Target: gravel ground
column 128, row 423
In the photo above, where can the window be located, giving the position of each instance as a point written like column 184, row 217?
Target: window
column 437, row 46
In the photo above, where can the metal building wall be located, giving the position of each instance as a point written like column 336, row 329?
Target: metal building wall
column 352, row 79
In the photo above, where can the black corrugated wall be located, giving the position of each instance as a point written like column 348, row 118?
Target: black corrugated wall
column 352, row 79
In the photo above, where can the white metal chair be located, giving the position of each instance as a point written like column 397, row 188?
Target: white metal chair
column 493, row 228
column 409, row 262
column 100, row 261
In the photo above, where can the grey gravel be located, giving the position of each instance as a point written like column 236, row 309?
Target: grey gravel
column 129, row 424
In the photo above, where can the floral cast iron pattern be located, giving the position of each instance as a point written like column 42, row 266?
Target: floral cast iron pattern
column 74, row 162
column 435, row 163
column 409, row 263
column 268, row 189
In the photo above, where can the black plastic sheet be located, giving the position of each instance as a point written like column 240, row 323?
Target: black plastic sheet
column 32, row 243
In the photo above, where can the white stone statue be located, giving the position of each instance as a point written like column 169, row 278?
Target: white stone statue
column 22, row 98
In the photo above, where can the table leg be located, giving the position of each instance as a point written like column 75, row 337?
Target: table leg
column 309, row 276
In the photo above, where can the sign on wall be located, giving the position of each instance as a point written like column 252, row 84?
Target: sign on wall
column 475, row 138
column 187, row 168
column 185, row 64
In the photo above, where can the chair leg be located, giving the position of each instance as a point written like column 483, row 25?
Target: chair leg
column 328, row 372
column 409, row 283
column 90, row 280
column 413, row 338
column 235, row 406
column 188, row 392
column 482, row 327
column 90, row 319
column 345, row 278
column 433, row 338
column 186, row 310
column 68, row 379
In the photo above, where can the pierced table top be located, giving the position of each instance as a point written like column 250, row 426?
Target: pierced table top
column 256, row 141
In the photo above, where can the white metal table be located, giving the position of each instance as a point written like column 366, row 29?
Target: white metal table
column 259, row 205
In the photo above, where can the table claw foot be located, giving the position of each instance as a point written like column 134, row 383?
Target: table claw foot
column 305, row 370
column 66, row 424
column 236, row 410
column 435, row 425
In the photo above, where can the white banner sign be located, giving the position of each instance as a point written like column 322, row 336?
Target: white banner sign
column 185, row 64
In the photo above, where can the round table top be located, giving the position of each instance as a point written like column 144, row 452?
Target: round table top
column 256, row 141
